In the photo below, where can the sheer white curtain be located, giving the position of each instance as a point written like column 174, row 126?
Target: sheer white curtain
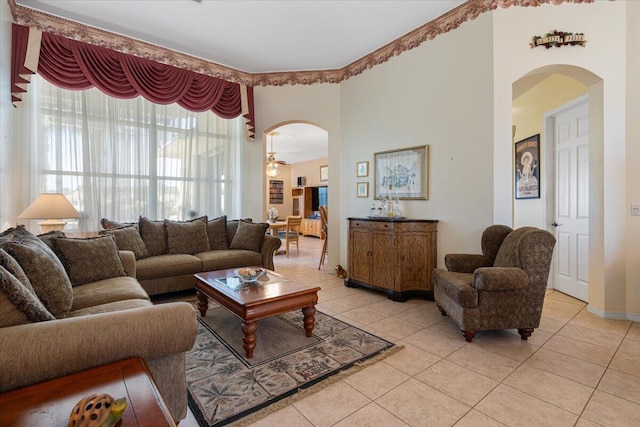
column 119, row 159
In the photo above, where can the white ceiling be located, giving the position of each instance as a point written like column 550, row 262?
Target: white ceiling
column 257, row 36
column 261, row 36
column 299, row 142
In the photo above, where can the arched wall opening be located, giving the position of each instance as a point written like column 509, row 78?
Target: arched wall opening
column 301, row 151
column 576, row 82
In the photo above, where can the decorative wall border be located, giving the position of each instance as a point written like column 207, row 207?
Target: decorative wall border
column 449, row 21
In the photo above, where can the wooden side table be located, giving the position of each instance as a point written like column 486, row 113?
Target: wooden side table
column 50, row 403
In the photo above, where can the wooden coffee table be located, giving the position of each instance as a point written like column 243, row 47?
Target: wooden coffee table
column 273, row 294
column 50, row 403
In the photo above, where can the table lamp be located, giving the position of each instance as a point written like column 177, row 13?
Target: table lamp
column 52, row 207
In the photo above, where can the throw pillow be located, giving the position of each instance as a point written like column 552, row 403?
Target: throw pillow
column 128, row 239
column 90, row 260
column 13, row 267
column 17, row 304
column 48, row 238
column 43, row 268
column 187, row 237
column 232, row 227
column 107, row 224
column 249, row 236
column 153, row 236
column 217, row 233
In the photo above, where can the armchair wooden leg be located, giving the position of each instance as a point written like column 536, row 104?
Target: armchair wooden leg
column 468, row 335
column 525, row 333
column 444, row 313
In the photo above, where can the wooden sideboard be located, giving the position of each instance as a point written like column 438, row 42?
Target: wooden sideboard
column 311, row 227
column 393, row 255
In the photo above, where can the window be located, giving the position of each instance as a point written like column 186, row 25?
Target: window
column 119, row 159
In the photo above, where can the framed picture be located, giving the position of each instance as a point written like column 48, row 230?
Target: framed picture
column 362, row 189
column 362, row 169
column 402, row 173
column 527, row 168
column 324, row 173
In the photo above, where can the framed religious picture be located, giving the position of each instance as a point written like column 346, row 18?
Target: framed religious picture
column 402, row 173
column 527, row 168
column 324, row 173
column 362, row 169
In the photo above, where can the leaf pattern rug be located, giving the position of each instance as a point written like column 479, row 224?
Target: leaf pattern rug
column 225, row 387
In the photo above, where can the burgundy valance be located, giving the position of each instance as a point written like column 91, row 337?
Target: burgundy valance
column 24, row 59
column 75, row 65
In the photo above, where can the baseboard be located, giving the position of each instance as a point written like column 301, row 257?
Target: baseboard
column 616, row 315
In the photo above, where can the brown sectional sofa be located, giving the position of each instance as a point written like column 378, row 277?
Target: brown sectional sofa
column 167, row 271
column 53, row 325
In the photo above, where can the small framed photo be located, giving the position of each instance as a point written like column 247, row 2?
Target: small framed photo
column 362, row 189
column 324, row 173
column 362, row 169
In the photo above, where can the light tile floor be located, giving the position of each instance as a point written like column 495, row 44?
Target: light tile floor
column 576, row 369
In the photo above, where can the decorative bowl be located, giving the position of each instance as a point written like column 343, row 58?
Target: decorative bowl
column 248, row 274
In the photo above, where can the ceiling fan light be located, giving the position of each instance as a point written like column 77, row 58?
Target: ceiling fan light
column 272, row 166
column 272, row 170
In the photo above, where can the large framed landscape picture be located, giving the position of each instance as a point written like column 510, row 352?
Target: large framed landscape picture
column 402, row 173
column 527, row 168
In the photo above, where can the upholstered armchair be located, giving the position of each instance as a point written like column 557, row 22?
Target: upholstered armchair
column 501, row 289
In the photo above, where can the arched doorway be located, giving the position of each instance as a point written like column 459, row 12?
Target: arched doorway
column 296, row 173
column 555, row 103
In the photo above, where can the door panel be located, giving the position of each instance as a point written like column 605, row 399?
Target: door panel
column 571, row 257
column 359, row 261
column 382, row 257
column 414, row 265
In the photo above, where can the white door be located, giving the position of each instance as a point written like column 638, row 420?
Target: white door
column 571, row 225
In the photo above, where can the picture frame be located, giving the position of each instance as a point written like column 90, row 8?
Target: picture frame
column 362, row 189
column 362, row 169
column 527, row 168
column 402, row 173
column 324, row 173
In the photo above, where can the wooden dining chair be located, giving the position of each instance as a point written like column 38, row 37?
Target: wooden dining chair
column 291, row 233
column 325, row 231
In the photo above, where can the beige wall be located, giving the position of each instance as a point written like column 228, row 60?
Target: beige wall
column 424, row 97
column 315, row 104
column 632, row 156
column 528, row 111
column 310, row 170
column 7, row 200
column 602, row 66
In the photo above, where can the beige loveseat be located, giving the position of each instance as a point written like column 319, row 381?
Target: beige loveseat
column 81, row 307
column 169, row 253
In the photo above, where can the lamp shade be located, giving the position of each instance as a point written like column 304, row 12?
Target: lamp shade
column 49, row 206
column 53, row 207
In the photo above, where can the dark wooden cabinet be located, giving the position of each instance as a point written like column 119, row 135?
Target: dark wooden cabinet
column 396, row 256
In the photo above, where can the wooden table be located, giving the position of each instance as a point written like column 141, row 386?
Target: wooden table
column 49, row 404
column 274, row 227
column 274, row 294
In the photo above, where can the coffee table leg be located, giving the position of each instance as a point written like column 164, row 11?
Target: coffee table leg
column 203, row 303
column 249, row 337
column 309, row 319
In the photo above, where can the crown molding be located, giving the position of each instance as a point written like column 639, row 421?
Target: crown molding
column 449, row 21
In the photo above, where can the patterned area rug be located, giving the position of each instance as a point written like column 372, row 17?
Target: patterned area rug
column 225, row 387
